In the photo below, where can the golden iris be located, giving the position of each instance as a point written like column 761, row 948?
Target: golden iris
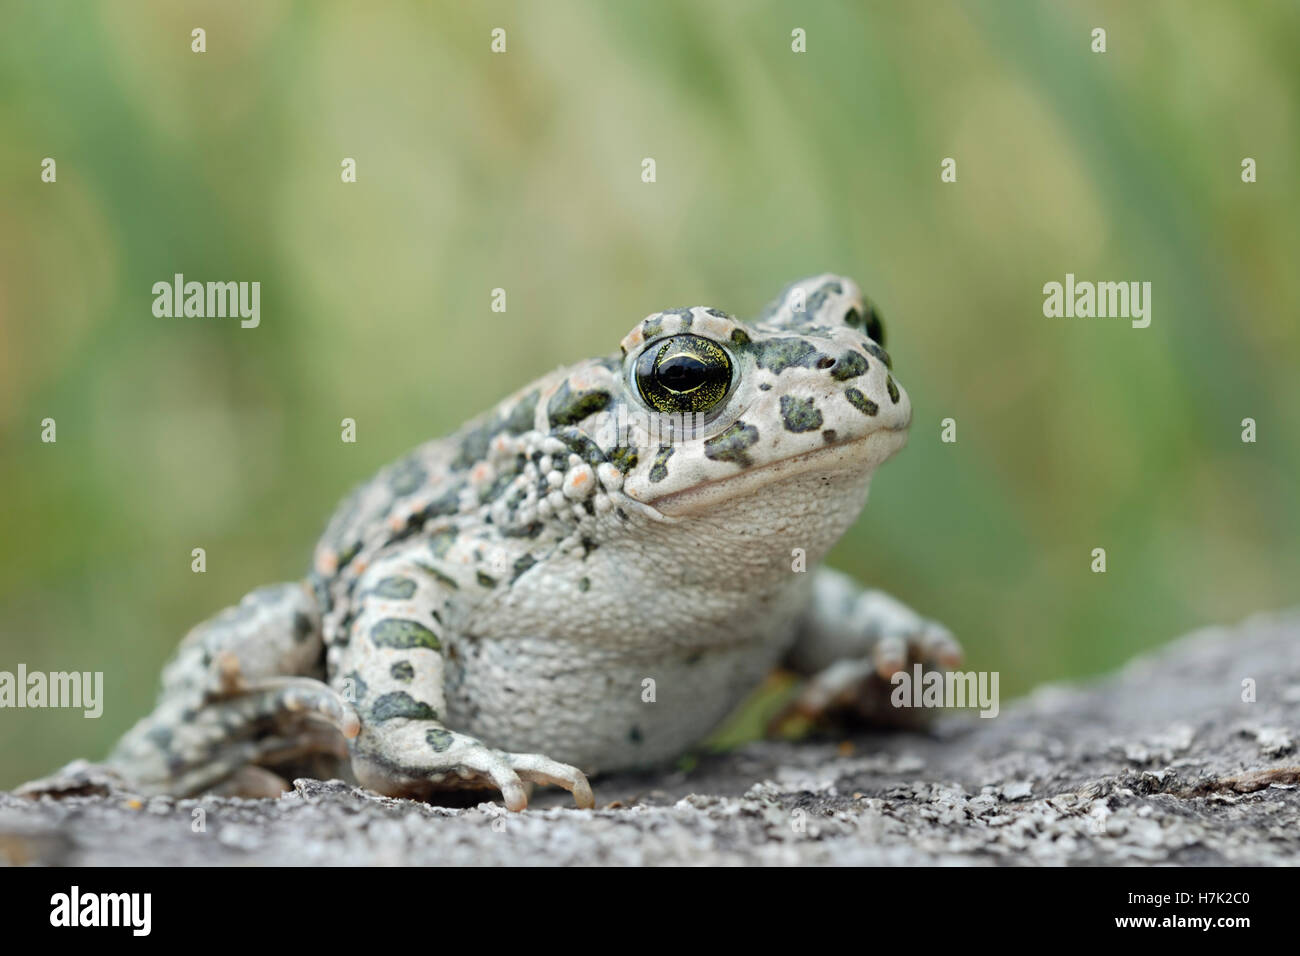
column 684, row 373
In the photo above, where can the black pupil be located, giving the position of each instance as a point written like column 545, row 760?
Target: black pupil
column 682, row 373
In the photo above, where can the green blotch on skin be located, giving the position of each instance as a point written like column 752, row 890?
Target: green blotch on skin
column 732, row 444
column 533, row 529
column 652, row 327
column 659, row 470
column 448, row 503
column 800, row 414
column 473, row 447
column 399, row 633
column 439, row 740
column 485, row 581
column 850, row 365
column 399, row 703
column 438, row 576
column 813, row 307
column 859, row 401
column 397, row 588
column 523, row 564
column 406, row 477
column 623, row 458
column 582, row 446
column 739, row 337
column 498, row 487
column 302, row 627
column 402, row 671
column 778, row 354
column 584, row 585
column 892, row 388
column 520, row 418
column 441, row 543
column 567, row 407
column 686, row 316
column 474, row 443
column 879, row 353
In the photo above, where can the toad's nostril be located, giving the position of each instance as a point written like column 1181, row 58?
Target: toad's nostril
column 825, row 362
column 849, row 365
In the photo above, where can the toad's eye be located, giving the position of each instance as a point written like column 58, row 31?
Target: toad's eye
column 685, row 373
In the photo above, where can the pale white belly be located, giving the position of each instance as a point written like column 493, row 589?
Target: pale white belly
column 598, row 710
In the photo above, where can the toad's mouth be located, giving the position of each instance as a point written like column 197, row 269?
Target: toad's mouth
column 855, row 458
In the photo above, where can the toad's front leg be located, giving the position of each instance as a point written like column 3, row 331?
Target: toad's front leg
column 239, row 700
column 851, row 643
column 392, row 666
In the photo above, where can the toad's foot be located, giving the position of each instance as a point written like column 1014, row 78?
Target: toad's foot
column 861, row 687
column 77, row 779
column 419, row 759
column 185, row 748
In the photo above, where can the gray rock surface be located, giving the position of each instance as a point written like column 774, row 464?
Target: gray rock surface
column 1161, row 763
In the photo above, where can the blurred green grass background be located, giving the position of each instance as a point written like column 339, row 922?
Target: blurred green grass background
column 523, row 171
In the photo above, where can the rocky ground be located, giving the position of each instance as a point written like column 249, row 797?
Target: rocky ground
column 1162, row 763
